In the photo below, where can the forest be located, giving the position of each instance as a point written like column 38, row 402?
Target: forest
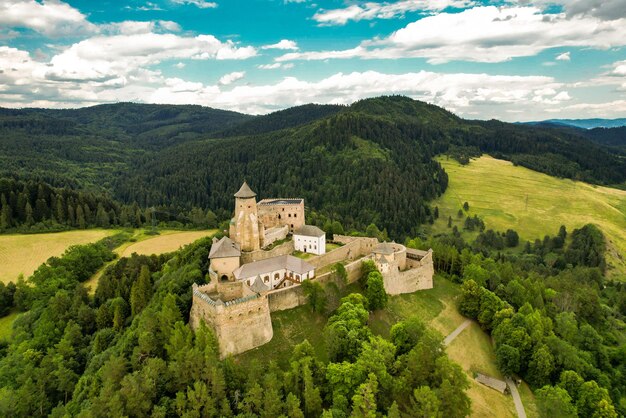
column 554, row 319
column 368, row 163
column 129, row 351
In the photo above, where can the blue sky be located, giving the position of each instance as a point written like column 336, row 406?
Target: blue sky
column 510, row 60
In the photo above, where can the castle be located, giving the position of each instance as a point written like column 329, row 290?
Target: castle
column 254, row 271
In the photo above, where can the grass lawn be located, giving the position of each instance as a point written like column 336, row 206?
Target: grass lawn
column 528, row 399
column 472, row 349
column 23, row 253
column 291, row 327
column 331, row 246
column 6, row 324
column 435, row 307
column 304, row 256
column 532, row 203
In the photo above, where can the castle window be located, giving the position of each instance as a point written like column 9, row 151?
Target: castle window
column 279, row 216
column 295, row 215
column 283, row 209
column 266, row 279
column 290, row 215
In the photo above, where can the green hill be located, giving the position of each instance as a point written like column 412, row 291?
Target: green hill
column 368, row 163
column 533, row 204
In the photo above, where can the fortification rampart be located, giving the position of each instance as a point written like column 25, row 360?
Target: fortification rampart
column 291, row 297
column 239, row 324
column 418, row 276
column 282, row 249
column 352, row 249
column 274, row 234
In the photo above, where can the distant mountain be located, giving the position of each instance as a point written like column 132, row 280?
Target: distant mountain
column 371, row 162
column 585, row 123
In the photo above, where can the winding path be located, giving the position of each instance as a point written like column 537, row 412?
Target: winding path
column 519, row 406
column 456, row 332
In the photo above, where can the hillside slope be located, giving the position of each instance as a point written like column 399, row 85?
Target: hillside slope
column 371, row 162
column 533, row 204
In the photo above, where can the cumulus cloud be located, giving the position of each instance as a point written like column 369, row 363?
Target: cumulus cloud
column 51, row 18
column 202, row 4
column 385, row 10
column 283, row 44
column 603, row 9
column 230, row 78
column 483, row 34
column 108, row 57
column 28, row 84
column 565, row 56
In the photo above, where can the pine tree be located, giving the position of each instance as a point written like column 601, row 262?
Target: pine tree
column 141, row 291
column 80, row 217
column 5, row 214
column 102, row 217
column 29, row 214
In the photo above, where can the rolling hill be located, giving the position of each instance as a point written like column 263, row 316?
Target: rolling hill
column 371, row 162
column 533, row 204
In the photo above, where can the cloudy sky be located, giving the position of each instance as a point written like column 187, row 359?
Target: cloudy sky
column 511, row 60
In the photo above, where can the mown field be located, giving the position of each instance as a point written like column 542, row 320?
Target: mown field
column 534, row 204
column 23, row 253
column 165, row 242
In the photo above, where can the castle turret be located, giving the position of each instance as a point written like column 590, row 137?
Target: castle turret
column 244, row 227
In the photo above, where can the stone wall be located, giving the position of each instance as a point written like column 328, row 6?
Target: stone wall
column 291, row 297
column 353, row 249
column 239, row 325
column 274, row 234
column 419, row 277
column 283, row 249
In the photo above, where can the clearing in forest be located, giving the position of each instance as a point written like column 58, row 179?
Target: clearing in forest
column 23, row 253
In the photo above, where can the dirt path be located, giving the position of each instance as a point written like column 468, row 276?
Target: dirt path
column 456, row 332
column 519, row 406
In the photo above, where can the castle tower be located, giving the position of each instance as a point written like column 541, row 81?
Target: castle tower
column 244, row 227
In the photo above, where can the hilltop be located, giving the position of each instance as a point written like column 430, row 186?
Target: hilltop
column 368, row 163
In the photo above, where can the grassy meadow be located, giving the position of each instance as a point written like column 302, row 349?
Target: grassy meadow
column 23, row 253
column 167, row 241
column 534, row 204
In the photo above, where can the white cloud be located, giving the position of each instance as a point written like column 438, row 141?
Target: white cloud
column 385, row 10
column 283, row 44
column 180, row 65
column 106, row 57
column 198, row 3
column 232, row 77
column 51, row 18
column 565, row 56
column 483, row 34
column 275, row 66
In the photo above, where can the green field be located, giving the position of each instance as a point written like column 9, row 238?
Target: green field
column 145, row 244
column 23, row 253
column 534, row 204
column 165, row 242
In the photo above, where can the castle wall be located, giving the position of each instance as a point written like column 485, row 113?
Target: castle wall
column 275, row 234
column 419, row 277
column 239, row 325
column 283, row 249
column 291, row 297
column 353, row 249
